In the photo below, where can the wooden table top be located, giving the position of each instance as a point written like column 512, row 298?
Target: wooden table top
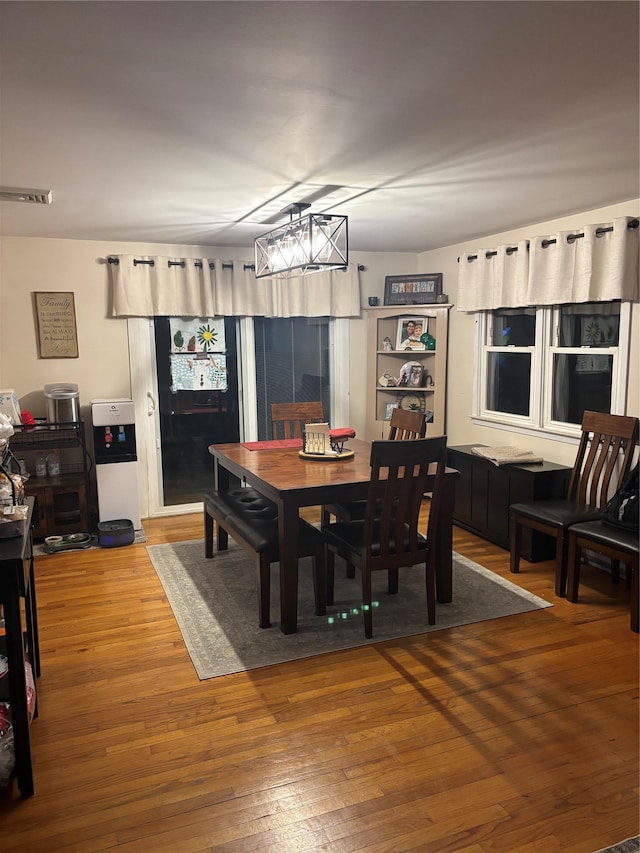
column 285, row 469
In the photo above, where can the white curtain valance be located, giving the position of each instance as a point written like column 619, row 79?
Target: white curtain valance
column 496, row 277
column 170, row 287
column 555, row 269
column 205, row 287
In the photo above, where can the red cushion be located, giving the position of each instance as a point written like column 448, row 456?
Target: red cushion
column 342, row 434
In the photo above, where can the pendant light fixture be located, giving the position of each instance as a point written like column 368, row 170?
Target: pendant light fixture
column 308, row 243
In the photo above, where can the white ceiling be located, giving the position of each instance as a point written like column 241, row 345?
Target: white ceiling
column 194, row 122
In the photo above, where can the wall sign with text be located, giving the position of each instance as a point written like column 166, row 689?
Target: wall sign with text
column 419, row 289
column 56, row 324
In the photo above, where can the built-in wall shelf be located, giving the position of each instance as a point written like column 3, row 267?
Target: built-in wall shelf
column 428, row 394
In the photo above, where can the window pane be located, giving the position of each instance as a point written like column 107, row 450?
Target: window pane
column 580, row 382
column 192, row 419
column 514, row 328
column 594, row 324
column 508, row 381
column 292, row 364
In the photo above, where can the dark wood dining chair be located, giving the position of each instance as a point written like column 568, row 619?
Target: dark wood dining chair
column 388, row 538
column 604, row 457
column 621, row 546
column 403, row 426
column 288, row 419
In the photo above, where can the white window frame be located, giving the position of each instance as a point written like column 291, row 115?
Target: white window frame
column 542, row 353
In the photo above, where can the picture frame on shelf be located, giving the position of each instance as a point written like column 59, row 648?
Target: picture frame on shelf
column 389, row 410
column 411, row 374
column 418, row 289
column 416, row 375
column 409, row 332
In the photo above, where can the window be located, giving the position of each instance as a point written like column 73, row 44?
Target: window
column 540, row 368
column 512, row 336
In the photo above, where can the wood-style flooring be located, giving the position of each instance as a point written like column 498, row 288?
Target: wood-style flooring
column 518, row 735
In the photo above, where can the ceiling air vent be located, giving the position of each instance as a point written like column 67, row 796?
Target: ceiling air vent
column 31, row 196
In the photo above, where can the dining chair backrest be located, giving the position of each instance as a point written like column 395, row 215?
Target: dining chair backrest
column 288, row 419
column 406, row 424
column 399, row 471
column 605, row 454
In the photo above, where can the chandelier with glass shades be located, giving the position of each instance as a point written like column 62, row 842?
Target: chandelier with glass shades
column 306, row 244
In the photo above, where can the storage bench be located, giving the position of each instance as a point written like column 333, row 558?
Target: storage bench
column 485, row 492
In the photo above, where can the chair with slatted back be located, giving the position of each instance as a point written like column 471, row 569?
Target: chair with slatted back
column 388, row 538
column 407, row 425
column 403, row 426
column 604, row 457
column 620, row 546
column 288, row 419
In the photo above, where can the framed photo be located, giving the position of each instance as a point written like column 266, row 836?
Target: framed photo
column 56, row 324
column 409, row 332
column 411, row 374
column 415, row 376
column 419, row 289
column 389, row 410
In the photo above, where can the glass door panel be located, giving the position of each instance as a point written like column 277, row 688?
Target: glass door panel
column 192, row 413
column 292, row 365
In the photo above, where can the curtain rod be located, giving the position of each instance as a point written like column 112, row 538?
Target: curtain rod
column 198, row 264
column 571, row 238
column 152, row 263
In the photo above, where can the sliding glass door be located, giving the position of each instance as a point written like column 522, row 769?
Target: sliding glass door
column 266, row 360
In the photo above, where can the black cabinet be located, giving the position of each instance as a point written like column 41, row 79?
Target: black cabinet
column 485, row 491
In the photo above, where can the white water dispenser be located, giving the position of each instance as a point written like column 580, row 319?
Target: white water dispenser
column 114, row 443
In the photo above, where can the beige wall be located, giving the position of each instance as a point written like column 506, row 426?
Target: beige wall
column 102, row 369
column 460, row 428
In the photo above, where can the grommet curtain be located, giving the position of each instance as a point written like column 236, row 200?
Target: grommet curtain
column 597, row 263
column 204, row 287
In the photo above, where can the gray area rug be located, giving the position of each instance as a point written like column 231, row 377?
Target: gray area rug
column 215, row 603
column 629, row 845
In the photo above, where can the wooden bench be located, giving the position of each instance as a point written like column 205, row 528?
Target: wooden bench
column 252, row 520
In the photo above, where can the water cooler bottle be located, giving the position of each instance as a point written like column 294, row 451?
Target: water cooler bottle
column 114, row 442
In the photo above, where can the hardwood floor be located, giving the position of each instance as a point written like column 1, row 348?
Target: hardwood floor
column 516, row 735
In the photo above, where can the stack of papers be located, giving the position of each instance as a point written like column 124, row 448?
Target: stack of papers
column 506, row 455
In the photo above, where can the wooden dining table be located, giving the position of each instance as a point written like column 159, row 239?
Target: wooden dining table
column 291, row 481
